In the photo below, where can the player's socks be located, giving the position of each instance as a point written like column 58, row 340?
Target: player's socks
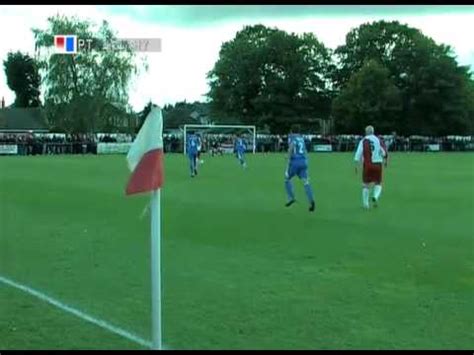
column 289, row 192
column 309, row 192
column 194, row 166
column 312, row 206
column 365, row 197
column 377, row 191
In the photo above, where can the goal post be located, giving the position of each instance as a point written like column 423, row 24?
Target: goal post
column 216, row 129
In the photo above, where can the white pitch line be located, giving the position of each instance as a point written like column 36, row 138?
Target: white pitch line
column 103, row 324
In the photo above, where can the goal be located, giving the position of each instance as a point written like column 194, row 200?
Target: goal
column 249, row 131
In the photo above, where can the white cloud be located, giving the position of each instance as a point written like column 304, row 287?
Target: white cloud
column 179, row 71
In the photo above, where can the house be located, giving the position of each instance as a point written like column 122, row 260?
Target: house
column 120, row 119
column 21, row 120
column 201, row 114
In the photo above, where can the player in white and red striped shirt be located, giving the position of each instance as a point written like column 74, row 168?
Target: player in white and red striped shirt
column 372, row 152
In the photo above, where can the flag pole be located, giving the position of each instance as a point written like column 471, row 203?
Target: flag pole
column 156, row 269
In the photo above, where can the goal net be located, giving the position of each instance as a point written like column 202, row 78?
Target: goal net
column 221, row 137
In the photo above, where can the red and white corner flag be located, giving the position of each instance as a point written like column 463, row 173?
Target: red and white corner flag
column 145, row 157
column 145, row 160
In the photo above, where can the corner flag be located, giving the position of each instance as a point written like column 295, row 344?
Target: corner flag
column 145, row 157
column 145, row 160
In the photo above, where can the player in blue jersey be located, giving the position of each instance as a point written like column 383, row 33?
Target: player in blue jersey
column 240, row 149
column 192, row 151
column 297, row 165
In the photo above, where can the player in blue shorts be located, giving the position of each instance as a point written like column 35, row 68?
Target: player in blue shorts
column 297, row 165
column 192, row 151
column 240, row 148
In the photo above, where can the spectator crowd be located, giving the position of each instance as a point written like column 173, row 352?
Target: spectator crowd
column 58, row 143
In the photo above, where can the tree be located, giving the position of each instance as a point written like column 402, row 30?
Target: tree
column 370, row 97
column 435, row 89
column 23, row 78
column 88, row 91
column 143, row 114
column 265, row 76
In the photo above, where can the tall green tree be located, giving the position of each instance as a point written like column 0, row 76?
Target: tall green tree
column 370, row 97
column 435, row 89
column 265, row 76
column 23, row 78
column 87, row 91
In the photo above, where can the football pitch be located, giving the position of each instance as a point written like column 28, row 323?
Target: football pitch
column 240, row 270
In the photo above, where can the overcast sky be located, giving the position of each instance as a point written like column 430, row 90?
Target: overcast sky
column 193, row 34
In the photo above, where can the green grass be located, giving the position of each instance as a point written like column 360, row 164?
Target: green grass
column 241, row 271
